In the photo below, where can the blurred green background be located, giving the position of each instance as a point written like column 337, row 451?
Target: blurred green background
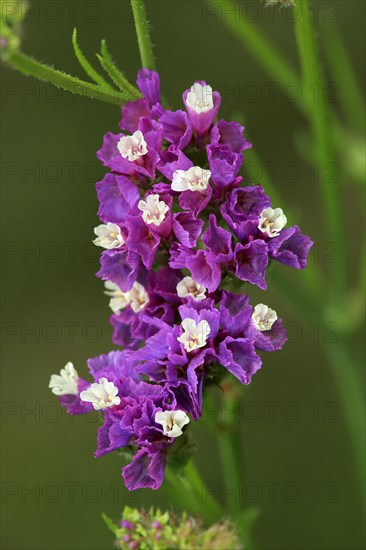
column 299, row 465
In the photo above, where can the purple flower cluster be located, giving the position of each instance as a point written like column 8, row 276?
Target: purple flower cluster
column 177, row 225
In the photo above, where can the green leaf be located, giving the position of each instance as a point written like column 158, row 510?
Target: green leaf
column 110, row 524
column 29, row 66
column 115, row 74
column 88, row 68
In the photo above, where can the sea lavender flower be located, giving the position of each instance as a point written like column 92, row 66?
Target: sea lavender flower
column 176, row 223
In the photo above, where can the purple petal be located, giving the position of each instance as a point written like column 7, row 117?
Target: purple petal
column 224, row 164
column 230, row 134
column 251, row 262
column 141, row 240
column 115, row 363
column 179, row 255
column 120, row 267
column 239, row 358
column 218, row 240
column 148, row 83
column 73, row 404
column 152, row 131
column 173, row 159
column 177, row 128
column 117, row 196
column 131, row 114
column 122, row 324
column 187, row 228
column 163, row 284
column 156, row 346
column 108, row 153
column 111, row 436
column 199, row 314
column 245, row 203
column 195, row 201
column 188, row 399
column 235, row 312
column 145, row 471
column 271, row 340
column 291, row 247
column 204, row 269
column 111, row 157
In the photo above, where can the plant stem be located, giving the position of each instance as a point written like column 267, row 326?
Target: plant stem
column 351, row 99
column 322, row 135
column 312, row 276
column 180, row 491
column 341, row 365
column 187, row 490
column 256, row 41
column 229, row 444
column 143, row 34
column 31, row 67
column 209, row 501
column 229, row 441
column 352, row 399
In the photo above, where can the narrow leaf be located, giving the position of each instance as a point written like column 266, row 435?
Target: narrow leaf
column 88, row 68
column 115, row 74
column 31, row 67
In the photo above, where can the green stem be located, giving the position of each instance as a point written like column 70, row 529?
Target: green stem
column 294, row 295
column 229, row 445
column 311, row 276
column 214, row 509
column 31, row 67
column 180, row 491
column 232, row 460
column 351, row 99
column 341, row 365
column 143, row 34
column 255, row 41
column 187, row 490
column 313, row 78
column 352, row 399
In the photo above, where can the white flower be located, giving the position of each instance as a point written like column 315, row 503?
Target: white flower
column 101, row 395
column 195, row 179
column 119, row 300
column 137, row 297
column 132, row 147
column 153, row 210
column 65, row 383
column 263, row 317
column 194, row 336
column 200, row 98
column 272, row 221
column 188, row 287
column 172, row 422
column 108, row 236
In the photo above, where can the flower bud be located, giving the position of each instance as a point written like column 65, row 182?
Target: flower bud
column 167, row 530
